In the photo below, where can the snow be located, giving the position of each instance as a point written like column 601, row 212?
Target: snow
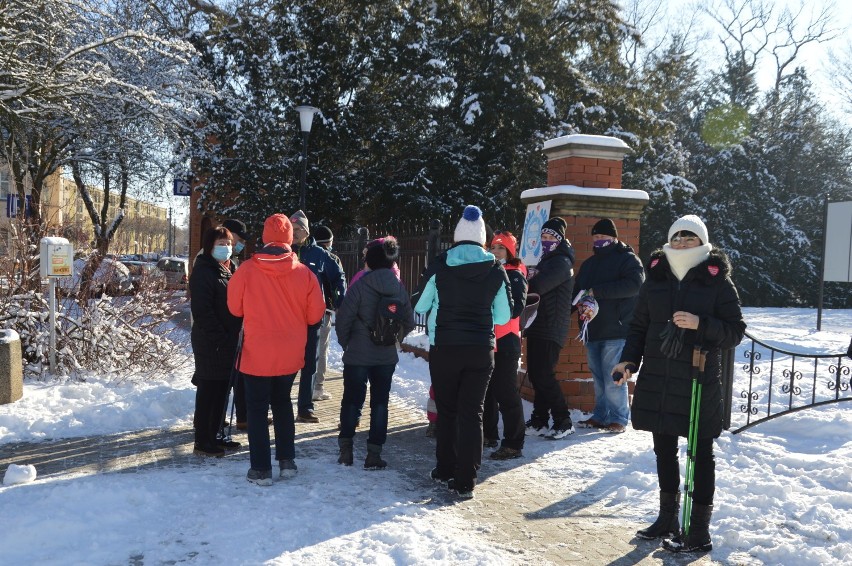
column 784, row 487
column 586, row 139
column 538, row 193
column 7, row 336
column 16, row 474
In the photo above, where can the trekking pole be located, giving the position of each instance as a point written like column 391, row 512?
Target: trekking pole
column 231, row 384
column 698, row 358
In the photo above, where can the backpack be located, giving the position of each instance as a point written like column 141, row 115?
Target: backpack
column 387, row 327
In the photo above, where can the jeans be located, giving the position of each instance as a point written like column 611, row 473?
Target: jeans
column 668, row 468
column 322, row 353
column 542, row 357
column 306, row 378
column 611, row 404
column 261, row 393
column 355, row 380
column 460, row 376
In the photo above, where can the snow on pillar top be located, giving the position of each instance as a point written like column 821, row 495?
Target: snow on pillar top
column 582, row 145
column 585, row 161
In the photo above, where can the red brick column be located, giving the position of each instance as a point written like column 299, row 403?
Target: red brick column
column 584, row 185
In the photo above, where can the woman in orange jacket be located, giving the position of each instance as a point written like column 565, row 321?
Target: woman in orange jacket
column 278, row 298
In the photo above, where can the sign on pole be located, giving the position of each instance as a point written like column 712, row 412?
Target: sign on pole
column 838, row 242
column 537, row 215
column 181, row 187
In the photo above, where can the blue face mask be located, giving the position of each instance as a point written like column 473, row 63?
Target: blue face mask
column 221, row 253
column 239, row 247
column 548, row 246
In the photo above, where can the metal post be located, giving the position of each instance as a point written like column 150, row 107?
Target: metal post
column 304, row 170
column 169, row 243
column 52, row 322
column 822, row 263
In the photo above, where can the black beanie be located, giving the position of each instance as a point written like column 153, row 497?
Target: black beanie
column 322, row 234
column 605, row 227
column 555, row 227
column 382, row 253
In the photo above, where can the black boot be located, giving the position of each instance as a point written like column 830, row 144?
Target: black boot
column 374, row 458
column 345, row 457
column 666, row 524
column 698, row 539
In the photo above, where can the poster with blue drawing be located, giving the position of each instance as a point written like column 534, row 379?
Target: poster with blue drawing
column 537, row 215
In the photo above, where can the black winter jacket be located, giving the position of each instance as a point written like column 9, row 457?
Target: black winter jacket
column 329, row 273
column 662, row 398
column 554, row 282
column 359, row 306
column 215, row 331
column 614, row 274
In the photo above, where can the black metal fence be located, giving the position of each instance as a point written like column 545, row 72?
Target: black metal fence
column 765, row 382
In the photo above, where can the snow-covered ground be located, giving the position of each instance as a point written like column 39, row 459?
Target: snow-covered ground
column 784, row 488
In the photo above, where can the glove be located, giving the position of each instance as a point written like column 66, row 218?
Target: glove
column 672, row 338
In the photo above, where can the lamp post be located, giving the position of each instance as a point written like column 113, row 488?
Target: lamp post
column 306, row 118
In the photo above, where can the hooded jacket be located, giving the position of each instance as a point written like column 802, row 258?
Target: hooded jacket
column 614, row 274
column 329, row 273
column 215, row 331
column 662, row 398
column 553, row 281
column 360, row 305
column 465, row 297
column 278, row 297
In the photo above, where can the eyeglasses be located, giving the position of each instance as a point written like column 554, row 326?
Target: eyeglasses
column 685, row 239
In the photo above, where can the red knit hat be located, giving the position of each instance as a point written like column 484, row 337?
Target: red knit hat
column 508, row 241
column 278, row 229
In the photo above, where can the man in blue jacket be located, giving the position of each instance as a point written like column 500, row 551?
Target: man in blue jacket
column 333, row 282
column 613, row 276
column 465, row 296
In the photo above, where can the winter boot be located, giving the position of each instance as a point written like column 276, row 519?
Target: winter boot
column 374, row 458
column 698, row 539
column 345, row 457
column 667, row 524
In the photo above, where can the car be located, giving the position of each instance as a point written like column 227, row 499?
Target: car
column 112, row 277
column 144, row 274
column 176, row 270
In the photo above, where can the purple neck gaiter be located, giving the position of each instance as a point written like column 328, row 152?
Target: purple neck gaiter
column 548, row 246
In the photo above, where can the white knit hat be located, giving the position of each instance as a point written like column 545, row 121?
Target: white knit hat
column 690, row 223
column 471, row 227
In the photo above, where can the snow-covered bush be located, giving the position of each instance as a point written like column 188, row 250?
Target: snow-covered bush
column 113, row 336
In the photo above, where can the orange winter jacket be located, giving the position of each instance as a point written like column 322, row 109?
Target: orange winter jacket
column 278, row 297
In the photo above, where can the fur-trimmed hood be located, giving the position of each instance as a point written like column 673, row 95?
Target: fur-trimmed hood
column 715, row 268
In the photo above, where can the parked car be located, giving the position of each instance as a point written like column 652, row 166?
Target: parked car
column 112, row 277
column 145, row 274
column 176, row 270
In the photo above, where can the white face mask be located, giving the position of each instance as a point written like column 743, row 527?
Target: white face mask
column 221, row 253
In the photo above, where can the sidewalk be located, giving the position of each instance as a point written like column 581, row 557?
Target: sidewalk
column 531, row 520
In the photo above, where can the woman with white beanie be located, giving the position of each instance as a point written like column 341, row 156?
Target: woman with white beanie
column 688, row 300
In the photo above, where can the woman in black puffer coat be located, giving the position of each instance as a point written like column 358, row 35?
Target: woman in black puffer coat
column 215, row 333
column 688, row 284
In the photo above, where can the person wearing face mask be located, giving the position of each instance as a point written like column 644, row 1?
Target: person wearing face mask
column 502, row 392
column 240, row 234
column 553, row 281
column 612, row 275
column 215, row 333
column 688, row 291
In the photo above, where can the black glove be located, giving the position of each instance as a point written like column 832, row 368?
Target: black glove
column 672, row 338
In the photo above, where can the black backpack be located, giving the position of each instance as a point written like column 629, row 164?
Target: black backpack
column 387, row 327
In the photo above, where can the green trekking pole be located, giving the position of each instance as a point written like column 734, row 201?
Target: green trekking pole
column 698, row 359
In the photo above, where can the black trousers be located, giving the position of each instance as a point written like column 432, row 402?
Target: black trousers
column 542, row 357
column 211, row 396
column 503, row 394
column 668, row 468
column 460, row 377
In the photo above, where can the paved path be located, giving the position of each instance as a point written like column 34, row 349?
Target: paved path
column 533, row 522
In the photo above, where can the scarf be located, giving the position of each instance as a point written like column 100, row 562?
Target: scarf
column 681, row 261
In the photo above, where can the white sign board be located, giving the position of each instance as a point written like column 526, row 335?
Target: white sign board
column 537, row 215
column 57, row 257
column 838, row 242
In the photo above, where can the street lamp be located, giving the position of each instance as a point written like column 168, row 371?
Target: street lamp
column 306, row 118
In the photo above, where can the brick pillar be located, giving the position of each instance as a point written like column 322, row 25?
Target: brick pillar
column 584, row 185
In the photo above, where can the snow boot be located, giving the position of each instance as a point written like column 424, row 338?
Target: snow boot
column 374, row 458
column 667, row 524
column 698, row 539
column 345, row 457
